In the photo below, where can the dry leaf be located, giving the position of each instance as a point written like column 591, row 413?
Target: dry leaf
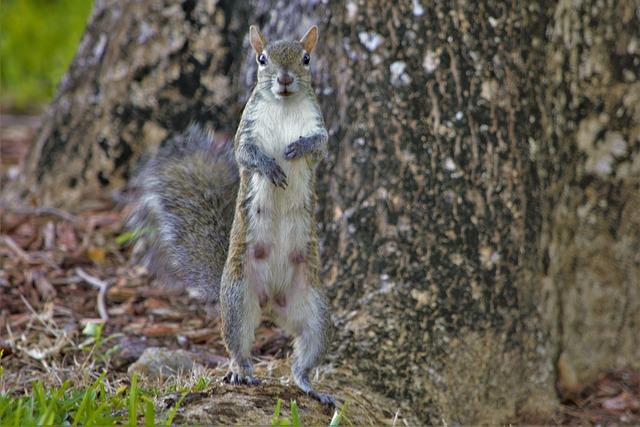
column 46, row 290
column 199, row 336
column 97, row 255
column 154, row 303
column 66, row 237
column 622, row 402
column 160, row 329
column 121, row 293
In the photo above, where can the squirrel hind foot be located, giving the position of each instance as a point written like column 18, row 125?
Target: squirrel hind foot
column 302, row 381
column 325, row 399
column 235, row 378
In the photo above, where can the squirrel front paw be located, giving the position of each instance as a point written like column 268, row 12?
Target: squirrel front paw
column 296, row 149
column 275, row 174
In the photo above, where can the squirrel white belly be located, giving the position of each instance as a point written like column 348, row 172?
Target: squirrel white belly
column 279, row 221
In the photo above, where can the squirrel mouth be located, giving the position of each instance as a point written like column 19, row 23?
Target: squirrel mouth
column 284, row 91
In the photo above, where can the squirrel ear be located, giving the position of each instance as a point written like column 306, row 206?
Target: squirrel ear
column 257, row 40
column 310, row 39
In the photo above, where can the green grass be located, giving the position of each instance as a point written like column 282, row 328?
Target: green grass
column 38, row 39
column 278, row 420
column 91, row 406
column 61, row 405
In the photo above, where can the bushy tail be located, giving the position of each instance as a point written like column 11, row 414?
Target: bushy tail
column 183, row 210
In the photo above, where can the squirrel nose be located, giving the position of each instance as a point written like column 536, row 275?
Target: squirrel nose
column 285, row 79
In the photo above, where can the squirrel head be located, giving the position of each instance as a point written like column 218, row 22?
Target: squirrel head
column 283, row 66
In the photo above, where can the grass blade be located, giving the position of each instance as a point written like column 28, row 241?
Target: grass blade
column 90, row 396
column 133, row 401
column 149, row 413
column 38, row 393
column 172, row 413
column 19, row 414
column 276, row 413
column 338, row 415
column 295, row 416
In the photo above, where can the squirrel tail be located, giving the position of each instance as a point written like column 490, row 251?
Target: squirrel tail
column 184, row 200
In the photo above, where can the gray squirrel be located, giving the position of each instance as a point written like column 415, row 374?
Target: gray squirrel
column 261, row 254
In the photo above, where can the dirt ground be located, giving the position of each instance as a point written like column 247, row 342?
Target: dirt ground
column 60, row 271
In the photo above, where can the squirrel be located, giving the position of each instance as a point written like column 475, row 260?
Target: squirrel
column 272, row 263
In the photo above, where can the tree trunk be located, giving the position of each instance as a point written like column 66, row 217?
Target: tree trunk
column 479, row 206
column 590, row 170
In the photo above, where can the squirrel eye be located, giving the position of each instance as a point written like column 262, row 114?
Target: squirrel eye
column 305, row 59
column 262, row 59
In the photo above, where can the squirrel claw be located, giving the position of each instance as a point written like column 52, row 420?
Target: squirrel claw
column 279, row 182
column 325, row 399
column 236, row 379
column 276, row 175
column 293, row 151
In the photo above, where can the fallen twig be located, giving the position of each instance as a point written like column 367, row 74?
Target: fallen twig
column 45, row 287
column 44, row 319
column 45, row 258
column 17, row 249
column 41, row 354
column 68, row 280
column 102, row 291
column 41, row 211
column 62, row 339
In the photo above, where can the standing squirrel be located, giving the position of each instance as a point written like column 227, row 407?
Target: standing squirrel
column 272, row 263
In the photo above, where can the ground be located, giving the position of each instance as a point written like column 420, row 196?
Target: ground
column 63, row 274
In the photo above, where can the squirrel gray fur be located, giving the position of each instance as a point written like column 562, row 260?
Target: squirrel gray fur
column 184, row 210
column 272, row 263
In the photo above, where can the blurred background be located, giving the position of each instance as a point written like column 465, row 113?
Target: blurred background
column 38, row 39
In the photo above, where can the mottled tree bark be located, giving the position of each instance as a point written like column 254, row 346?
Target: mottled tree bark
column 433, row 205
column 479, row 207
column 590, row 169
